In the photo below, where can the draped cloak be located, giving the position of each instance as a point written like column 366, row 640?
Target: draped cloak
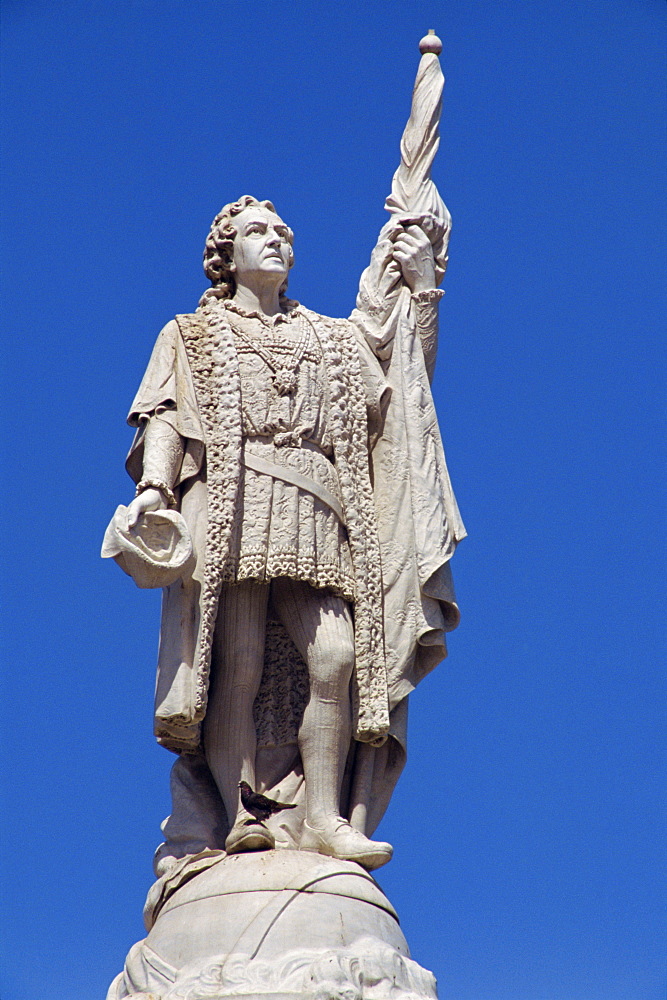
column 417, row 527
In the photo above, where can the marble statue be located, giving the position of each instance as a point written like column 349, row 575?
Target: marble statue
column 293, row 501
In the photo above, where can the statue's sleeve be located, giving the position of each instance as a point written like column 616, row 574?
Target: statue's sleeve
column 424, row 307
column 377, row 310
column 167, row 395
column 384, row 301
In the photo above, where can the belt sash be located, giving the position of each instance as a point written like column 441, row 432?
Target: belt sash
column 295, row 478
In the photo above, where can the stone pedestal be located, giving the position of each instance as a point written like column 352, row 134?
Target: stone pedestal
column 276, row 925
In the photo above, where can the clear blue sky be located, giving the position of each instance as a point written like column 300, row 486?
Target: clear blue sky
column 528, row 826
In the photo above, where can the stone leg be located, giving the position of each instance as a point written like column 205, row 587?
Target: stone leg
column 230, row 742
column 320, row 625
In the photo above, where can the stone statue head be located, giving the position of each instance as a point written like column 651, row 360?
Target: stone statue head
column 219, row 250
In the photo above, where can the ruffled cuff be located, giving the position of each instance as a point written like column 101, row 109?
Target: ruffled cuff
column 428, row 295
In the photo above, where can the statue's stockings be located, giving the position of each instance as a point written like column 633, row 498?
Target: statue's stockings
column 320, row 626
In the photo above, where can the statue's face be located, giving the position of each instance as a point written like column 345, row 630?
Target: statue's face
column 261, row 246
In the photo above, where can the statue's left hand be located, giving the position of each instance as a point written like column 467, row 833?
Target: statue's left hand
column 414, row 254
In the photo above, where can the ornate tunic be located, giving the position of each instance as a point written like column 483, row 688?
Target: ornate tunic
column 284, row 529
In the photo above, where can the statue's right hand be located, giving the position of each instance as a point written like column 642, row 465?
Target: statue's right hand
column 150, row 499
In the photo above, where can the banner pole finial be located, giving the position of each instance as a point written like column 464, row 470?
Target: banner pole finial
column 430, row 43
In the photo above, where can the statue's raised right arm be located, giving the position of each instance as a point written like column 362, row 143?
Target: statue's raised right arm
column 391, row 287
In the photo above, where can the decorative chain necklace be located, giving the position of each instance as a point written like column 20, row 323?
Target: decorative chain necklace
column 283, row 370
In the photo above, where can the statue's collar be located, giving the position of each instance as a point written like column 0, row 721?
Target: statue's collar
column 291, row 307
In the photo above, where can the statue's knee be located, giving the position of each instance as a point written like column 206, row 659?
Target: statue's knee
column 331, row 669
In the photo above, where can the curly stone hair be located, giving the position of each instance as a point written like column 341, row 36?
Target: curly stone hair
column 218, row 253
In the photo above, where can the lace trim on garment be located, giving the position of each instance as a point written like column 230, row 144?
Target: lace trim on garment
column 291, row 304
column 347, row 412
column 318, row 573
column 428, row 295
column 212, row 356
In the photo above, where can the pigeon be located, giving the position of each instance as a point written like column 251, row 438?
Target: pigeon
column 260, row 806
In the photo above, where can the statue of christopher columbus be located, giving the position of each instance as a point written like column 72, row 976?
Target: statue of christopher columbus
column 293, row 501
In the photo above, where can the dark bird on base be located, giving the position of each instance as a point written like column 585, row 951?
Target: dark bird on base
column 260, row 806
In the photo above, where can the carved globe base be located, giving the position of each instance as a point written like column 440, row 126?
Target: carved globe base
column 275, row 925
